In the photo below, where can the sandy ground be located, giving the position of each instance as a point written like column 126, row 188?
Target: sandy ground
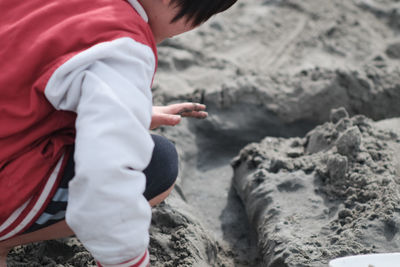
column 334, row 193
column 274, row 69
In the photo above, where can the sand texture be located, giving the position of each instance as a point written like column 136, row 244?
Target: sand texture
column 334, row 193
column 304, row 96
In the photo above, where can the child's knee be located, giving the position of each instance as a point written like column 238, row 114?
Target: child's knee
column 162, row 171
column 167, row 157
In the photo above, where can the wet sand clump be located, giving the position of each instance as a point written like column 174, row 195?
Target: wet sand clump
column 333, row 193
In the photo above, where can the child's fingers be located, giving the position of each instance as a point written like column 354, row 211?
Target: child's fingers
column 195, row 114
column 187, row 107
column 169, row 119
column 164, row 119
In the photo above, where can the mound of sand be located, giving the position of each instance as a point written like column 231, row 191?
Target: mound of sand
column 335, row 192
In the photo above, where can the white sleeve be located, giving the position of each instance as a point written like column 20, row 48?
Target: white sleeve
column 108, row 86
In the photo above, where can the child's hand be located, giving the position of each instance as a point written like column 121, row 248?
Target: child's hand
column 171, row 115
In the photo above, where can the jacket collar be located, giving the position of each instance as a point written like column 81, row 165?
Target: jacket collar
column 138, row 7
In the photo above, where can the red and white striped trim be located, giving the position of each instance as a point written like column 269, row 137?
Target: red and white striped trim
column 14, row 216
column 31, row 215
column 140, row 261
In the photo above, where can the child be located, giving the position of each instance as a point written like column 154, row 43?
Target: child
column 75, row 110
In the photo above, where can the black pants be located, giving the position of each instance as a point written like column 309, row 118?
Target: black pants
column 161, row 174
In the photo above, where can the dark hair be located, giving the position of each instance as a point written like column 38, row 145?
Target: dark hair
column 199, row 11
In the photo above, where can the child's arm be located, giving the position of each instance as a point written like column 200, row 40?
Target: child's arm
column 108, row 87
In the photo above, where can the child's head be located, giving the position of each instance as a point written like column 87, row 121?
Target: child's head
column 197, row 12
column 168, row 18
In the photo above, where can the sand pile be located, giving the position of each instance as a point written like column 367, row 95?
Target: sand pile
column 335, row 192
column 178, row 239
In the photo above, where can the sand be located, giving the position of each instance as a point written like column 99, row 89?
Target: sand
column 334, row 193
column 270, row 72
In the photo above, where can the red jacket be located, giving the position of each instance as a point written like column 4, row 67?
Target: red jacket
column 37, row 37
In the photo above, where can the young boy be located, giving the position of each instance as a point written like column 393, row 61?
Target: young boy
column 75, row 110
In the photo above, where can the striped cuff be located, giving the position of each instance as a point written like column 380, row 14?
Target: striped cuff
column 140, row 261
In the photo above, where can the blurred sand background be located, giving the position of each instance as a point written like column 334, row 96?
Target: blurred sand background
column 274, row 177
